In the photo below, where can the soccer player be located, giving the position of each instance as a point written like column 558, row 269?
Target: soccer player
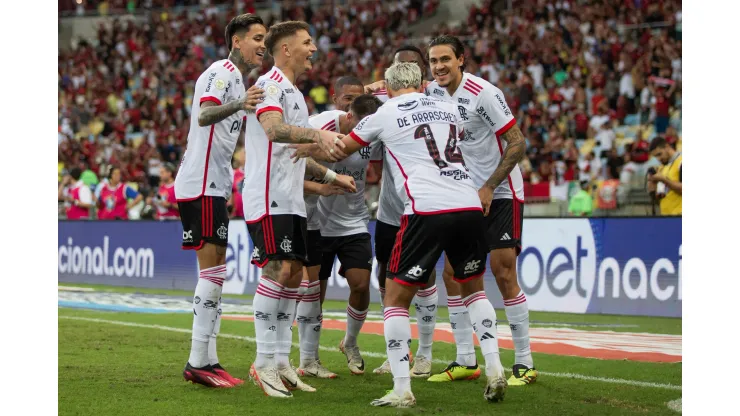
column 343, row 229
column 390, row 210
column 493, row 145
column 113, row 197
column 273, row 201
column 165, row 200
column 442, row 213
column 346, row 89
column 203, row 181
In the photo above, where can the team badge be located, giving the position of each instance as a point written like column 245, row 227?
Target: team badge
column 220, row 84
column 272, row 90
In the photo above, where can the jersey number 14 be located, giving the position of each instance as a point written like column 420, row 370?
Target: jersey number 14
column 452, row 153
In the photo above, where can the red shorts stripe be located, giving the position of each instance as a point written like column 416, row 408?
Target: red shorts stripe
column 469, row 278
column 396, row 253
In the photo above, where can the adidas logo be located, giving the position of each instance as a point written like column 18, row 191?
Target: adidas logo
column 213, row 185
column 406, row 358
column 296, row 107
column 487, row 336
column 505, row 237
column 273, row 205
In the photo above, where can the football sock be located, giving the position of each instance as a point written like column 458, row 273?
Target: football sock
column 426, row 319
column 483, row 318
column 286, row 308
column 355, row 319
column 265, row 304
column 462, row 330
column 397, row 330
column 212, row 350
column 517, row 313
column 309, row 322
column 205, row 312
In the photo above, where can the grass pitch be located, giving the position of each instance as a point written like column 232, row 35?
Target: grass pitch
column 113, row 363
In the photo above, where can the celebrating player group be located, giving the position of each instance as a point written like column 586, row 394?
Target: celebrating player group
column 451, row 186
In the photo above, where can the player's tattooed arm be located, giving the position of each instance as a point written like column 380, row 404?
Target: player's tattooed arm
column 514, row 152
column 280, row 132
column 211, row 113
column 314, row 169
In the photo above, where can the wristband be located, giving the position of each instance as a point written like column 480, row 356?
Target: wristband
column 330, row 176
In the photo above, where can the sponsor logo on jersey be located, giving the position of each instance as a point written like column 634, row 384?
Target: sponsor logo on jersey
column 463, row 101
column 456, row 174
column 427, row 102
column 408, row 105
column 439, row 92
column 289, row 90
column 358, row 175
column 211, row 77
column 482, row 112
column 503, row 105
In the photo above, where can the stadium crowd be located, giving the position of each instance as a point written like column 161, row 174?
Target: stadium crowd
column 591, row 83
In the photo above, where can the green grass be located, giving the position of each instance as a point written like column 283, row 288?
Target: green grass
column 671, row 326
column 110, row 369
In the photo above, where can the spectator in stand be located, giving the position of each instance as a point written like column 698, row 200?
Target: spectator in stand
column 607, row 194
column 605, row 138
column 320, row 96
column 589, row 168
column 76, row 195
column 236, row 204
column 165, row 200
column 115, row 198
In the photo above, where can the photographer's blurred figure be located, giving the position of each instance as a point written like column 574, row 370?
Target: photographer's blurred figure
column 76, row 195
column 666, row 181
column 581, row 204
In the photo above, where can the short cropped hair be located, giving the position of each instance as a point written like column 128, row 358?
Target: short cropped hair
column 657, row 142
column 403, row 75
column 364, row 105
column 75, row 173
column 281, row 31
column 347, row 80
column 239, row 24
column 452, row 41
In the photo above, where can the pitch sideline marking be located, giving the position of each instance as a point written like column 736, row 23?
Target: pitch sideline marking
column 378, row 355
column 675, row 405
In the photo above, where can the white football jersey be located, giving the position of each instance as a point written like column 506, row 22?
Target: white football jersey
column 342, row 215
column 328, row 120
column 484, row 116
column 420, row 133
column 205, row 168
column 391, row 199
column 392, row 194
column 273, row 184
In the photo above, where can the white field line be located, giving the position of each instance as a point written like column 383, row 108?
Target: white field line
column 675, row 405
column 379, row 355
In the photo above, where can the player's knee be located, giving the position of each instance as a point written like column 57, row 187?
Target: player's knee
column 360, row 286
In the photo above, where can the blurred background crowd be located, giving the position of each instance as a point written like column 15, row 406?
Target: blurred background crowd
column 592, row 83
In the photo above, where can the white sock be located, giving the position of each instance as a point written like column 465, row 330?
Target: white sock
column 462, row 330
column 517, row 313
column 355, row 319
column 205, row 312
column 397, row 329
column 286, row 308
column 426, row 318
column 483, row 318
column 212, row 350
column 265, row 304
column 309, row 322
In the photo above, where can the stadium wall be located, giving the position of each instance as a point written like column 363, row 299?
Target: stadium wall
column 624, row 266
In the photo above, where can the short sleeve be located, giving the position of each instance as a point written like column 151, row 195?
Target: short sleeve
column 367, row 130
column 492, row 108
column 274, row 97
column 217, row 82
column 85, row 195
